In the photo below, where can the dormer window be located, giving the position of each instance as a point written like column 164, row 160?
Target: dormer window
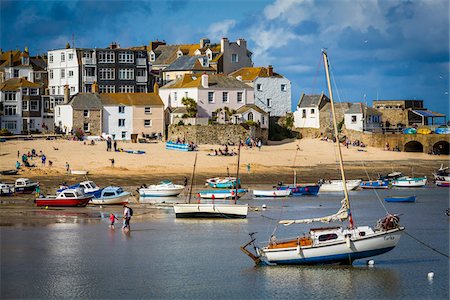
column 204, row 61
column 25, row 60
column 197, row 52
column 209, row 54
column 152, row 56
column 179, row 53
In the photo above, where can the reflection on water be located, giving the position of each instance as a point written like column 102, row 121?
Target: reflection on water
column 161, row 200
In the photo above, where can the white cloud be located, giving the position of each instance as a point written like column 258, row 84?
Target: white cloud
column 221, row 29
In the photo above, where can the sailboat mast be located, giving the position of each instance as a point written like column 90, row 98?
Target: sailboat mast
column 192, row 178
column 336, row 133
column 237, row 174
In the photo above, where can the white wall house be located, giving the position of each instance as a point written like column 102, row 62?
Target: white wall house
column 360, row 117
column 63, row 69
column 64, row 117
column 307, row 114
column 251, row 112
column 172, row 96
column 273, row 95
column 118, row 121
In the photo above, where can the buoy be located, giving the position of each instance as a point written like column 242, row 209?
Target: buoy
column 46, row 207
column 264, row 206
column 430, row 275
column 370, row 262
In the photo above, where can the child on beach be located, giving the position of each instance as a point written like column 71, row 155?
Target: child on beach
column 112, row 219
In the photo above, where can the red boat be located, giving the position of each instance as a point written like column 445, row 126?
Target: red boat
column 66, row 198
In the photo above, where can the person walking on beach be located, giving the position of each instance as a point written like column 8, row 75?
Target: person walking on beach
column 37, row 191
column 67, row 168
column 115, row 146
column 18, row 153
column 248, row 168
column 112, row 219
column 43, row 159
column 259, row 144
column 112, row 162
column 126, row 217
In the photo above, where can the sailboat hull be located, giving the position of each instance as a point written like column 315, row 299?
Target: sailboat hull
column 339, row 252
column 210, row 210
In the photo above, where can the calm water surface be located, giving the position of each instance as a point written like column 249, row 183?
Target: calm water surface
column 164, row 257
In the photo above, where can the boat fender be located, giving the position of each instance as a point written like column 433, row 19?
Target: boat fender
column 298, row 249
column 232, row 193
column 347, row 241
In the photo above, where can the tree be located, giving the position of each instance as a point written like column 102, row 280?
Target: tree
column 191, row 106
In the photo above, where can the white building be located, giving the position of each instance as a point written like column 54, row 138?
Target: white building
column 307, row 114
column 63, row 69
column 118, row 121
column 360, row 117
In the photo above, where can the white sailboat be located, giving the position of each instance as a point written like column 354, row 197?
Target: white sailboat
column 211, row 208
column 330, row 244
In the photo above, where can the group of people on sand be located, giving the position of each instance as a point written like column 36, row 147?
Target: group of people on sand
column 346, row 142
column 127, row 213
column 30, row 155
column 222, row 152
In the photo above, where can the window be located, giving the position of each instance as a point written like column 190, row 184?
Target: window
column 147, row 123
column 10, row 125
column 312, row 111
column 152, row 56
column 70, row 73
column 126, row 89
column 186, row 94
column 51, row 74
column 37, row 75
column 86, row 113
column 106, row 88
column 50, row 58
column 33, row 91
column 126, row 57
column 141, row 89
column 53, row 90
column 250, row 116
column 10, row 110
column 25, row 91
column 126, row 74
column 59, row 111
column 225, row 96
column 210, row 97
column 327, row 237
column 63, row 56
column 239, row 97
column 121, row 122
column 46, row 104
column 70, row 56
column 269, row 102
column 86, row 127
column 303, row 113
column 124, row 134
column 175, row 98
column 353, row 119
column 259, row 87
column 24, row 105
column 34, row 105
column 121, row 109
column 148, row 110
column 63, row 73
column 141, row 72
column 283, row 87
column 234, row 58
column 10, row 96
column 106, row 57
column 16, row 73
column 72, row 89
column 106, row 74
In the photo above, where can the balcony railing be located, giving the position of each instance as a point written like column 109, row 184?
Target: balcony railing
column 90, row 79
column 141, row 78
column 88, row 61
column 141, row 62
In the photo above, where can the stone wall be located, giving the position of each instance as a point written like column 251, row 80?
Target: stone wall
column 216, row 134
column 94, row 120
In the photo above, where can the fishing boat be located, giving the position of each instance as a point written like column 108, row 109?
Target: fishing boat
column 164, row 189
column 67, row 198
column 301, row 190
column 272, row 193
column 400, row 199
column 338, row 186
column 442, row 183
column 89, row 187
column 6, row 189
column 334, row 244
column 442, row 174
column 222, row 182
column 211, row 208
column 24, row 186
column 222, row 194
column 110, row 195
column 392, row 176
column 410, row 182
column 374, row 184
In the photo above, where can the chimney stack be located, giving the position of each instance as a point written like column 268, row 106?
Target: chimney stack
column 223, row 44
column 205, row 83
column 156, row 88
column 94, row 87
column 66, row 94
column 239, row 78
column 270, row 68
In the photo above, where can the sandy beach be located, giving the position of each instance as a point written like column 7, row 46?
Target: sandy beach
column 311, row 158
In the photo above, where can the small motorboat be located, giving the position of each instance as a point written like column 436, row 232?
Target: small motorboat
column 442, row 183
column 222, row 182
column 221, row 194
column 400, row 199
column 89, row 188
column 164, row 189
column 66, row 198
column 6, row 189
column 79, row 172
column 301, row 190
column 338, row 186
column 410, row 182
column 211, row 210
column 391, row 176
column 375, row 184
column 442, row 174
column 110, row 195
column 9, row 172
column 24, row 186
column 272, row 193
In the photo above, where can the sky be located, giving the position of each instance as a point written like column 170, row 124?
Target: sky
column 378, row 49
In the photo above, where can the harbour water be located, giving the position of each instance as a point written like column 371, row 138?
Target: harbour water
column 170, row 258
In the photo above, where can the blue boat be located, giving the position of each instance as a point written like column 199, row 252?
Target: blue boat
column 223, row 182
column 302, row 190
column 221, row 194
column 110, row 195
column 400, row 199
column 376, row 184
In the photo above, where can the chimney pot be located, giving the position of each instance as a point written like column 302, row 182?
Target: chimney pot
column 205, row 83
column 66, row 94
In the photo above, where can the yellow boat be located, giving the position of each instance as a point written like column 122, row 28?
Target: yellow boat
column 423, row 131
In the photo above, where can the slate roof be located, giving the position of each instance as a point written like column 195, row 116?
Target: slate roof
column 214, row 81
column 179, row 110
column 360, row 108
column 37, row 63
column 86, row 101
column 14, row 83
column 167, row 54
column 247, row 107
column 250, row 73
column 187, row 63
column 130, row 99
column 312, row 100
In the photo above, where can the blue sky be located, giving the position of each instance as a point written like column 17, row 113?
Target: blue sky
column 385, row 49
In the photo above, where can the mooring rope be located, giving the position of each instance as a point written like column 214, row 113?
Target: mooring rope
column 426, row 245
